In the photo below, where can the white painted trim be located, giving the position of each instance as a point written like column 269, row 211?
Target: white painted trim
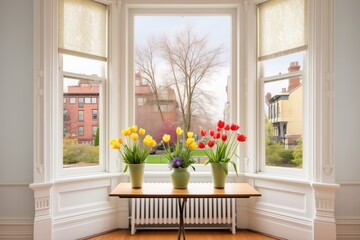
column 16, row 228
column 280, row 225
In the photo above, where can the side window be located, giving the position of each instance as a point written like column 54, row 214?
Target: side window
column 83, row 66
column 282, row 46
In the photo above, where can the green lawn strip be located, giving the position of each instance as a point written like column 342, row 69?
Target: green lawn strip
column 161, row 159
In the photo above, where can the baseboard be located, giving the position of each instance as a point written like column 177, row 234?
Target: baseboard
column 347, row 228
column 280, row 225
column 82, row 226
column 16, row 229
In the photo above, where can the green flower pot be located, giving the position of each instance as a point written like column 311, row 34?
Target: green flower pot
column 218, row 175
column 136, row 174
column 180, row 178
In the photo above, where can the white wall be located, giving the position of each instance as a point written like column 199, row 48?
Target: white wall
column 16, row 121
column 347, row 117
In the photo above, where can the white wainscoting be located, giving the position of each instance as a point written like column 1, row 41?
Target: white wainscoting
column 83, row 208
column 285, row 209
column 347, row 211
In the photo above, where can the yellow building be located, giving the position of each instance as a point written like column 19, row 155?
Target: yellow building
column 285, row 111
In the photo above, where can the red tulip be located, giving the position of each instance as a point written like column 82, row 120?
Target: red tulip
column 218, row 129
column 211, row 143
column 227, row 127
column 217, row 135
column 221, row 124
column 241, row 137
column 212, row 133
column 201, row 145
column 234, row 127
column 224, row 137
column 203, row 132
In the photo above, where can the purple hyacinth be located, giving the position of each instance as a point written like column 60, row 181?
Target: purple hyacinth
column 176, row 163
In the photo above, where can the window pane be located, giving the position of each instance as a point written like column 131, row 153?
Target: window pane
column 162, row 95
column 84, row 66
column 81, row 102
column 80, row 147
column 280, row 65
column 284, row 120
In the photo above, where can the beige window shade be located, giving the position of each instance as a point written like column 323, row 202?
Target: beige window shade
column 83, row 28
column 281, row 27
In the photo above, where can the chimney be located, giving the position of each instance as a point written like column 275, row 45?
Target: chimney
column 293, row 82
column 283, row 90
column 267, row 98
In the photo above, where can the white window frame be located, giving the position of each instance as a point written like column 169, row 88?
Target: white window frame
column 255, row 164
column 198, row 7
column 105, row 103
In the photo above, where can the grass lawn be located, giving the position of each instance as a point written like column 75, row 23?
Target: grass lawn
column 155, row 158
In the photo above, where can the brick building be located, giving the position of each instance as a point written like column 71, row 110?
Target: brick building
column 81, row 106
column 155, row 121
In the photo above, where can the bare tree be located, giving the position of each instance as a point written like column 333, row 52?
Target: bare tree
column 145, row 60
column 191, row 62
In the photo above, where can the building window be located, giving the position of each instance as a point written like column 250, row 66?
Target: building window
column 140, row 101
column 64, row 99
column 65, row 115
column 281, row 65
column 64, row 131
column 94, row 114
column 81, row 116
column 81, row 130
column 94, row 129
column 81, row 102
column 82, row 40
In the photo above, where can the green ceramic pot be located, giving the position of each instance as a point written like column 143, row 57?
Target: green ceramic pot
column 136, row 174
column 218, row 175
column 180, row 178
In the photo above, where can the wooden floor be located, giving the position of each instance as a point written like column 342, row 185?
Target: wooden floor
column 190, row 235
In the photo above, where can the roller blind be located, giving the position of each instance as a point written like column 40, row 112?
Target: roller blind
column 83, row 28
column 281, row 27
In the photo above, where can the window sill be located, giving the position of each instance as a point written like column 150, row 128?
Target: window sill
column 271, row 177
column 87, row 177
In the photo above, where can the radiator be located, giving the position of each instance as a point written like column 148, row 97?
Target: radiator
column 199, row 212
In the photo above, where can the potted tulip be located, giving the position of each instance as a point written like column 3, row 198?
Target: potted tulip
column 179, row 157
column 134, row 151
column 220, row 147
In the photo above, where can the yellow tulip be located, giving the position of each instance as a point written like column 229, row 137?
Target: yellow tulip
column 120, row 140
column 179, row 131
column 141, row 131
column 147, row 140
column 115, row 145
column 133, row 129
column 189, row 141
column 193, row 146
column 112, row 141
column 126, row 132
column 134, row 136
column 153, row 143
column 190, row 134
column 166, row 138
